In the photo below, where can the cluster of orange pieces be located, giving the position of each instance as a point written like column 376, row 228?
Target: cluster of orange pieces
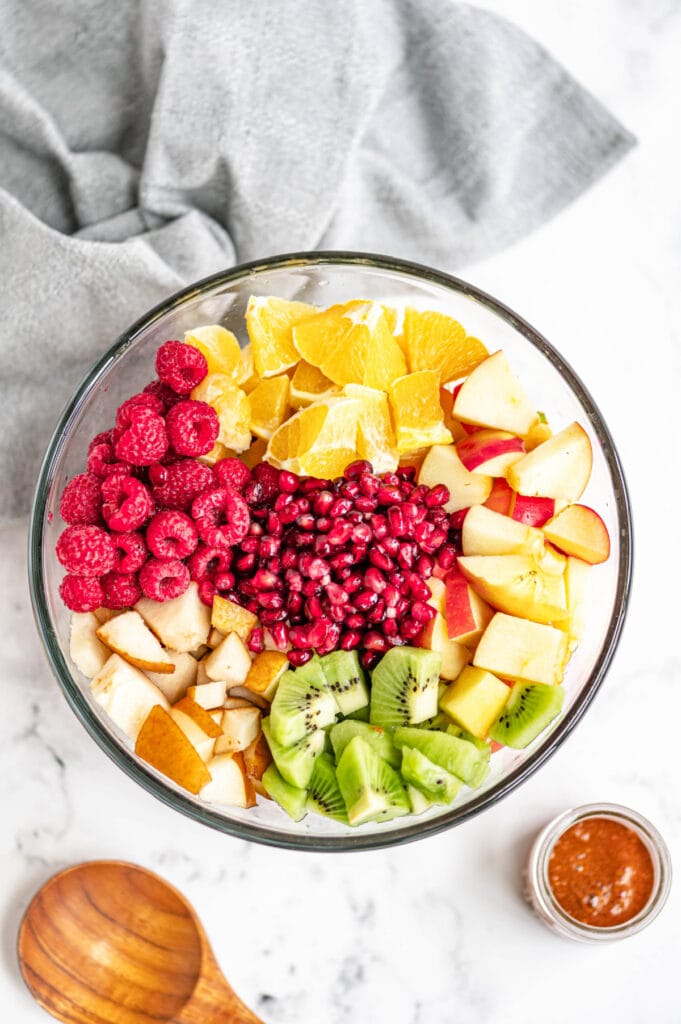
column 321, row 388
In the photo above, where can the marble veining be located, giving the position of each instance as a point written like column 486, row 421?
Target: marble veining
column 438, row 931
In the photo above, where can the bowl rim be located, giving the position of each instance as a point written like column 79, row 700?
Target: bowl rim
column 352, row 841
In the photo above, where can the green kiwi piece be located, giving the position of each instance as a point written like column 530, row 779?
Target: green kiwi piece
column 481, row 745
column 439, row 785
column 303, row 702
column 377, row 738
column 404, row 687
column 323, row 794
column 418, row 800
column 290, row 798
column 295, row 763
column 529, row 709
column 456, row 755
column 361, row 715
column 346, row 680
column 371, row 789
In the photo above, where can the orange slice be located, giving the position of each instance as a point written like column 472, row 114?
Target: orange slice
column 309, row 385
column 255, row 454
column 435, row 341
column 269, row 321
column 217, row 452
column 219, row 346
column 211, row 387
column 416, row 410
column 375, row 434
column 269, row 402
column 351, row 343
column 319, row 435
column 247, row 378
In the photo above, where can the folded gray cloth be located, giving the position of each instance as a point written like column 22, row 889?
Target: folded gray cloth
column 145, row 144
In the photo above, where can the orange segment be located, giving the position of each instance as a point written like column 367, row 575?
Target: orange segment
column 269, row 321
column 255, row 454
column 375, row 435
column 319, row 435
column 309, row 384
column 437, row 342
column 351, row 343
column 211, row 387
column 231, row 404
column 217, row 452
column 416, row 410
column 247, row 378
column 269, row 402
column 219, row 346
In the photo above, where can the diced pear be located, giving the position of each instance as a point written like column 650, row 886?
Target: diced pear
column 182, row 623
column 209, row 695
column 230, row 661
column 126, row 694
column 229, row 783
column 229, row 617
column 128, row 636
column 163, row 745
column 257, row 757
column 265, row 672
column 176, row 685
column 240, row 727
column 199, row 716
column 87, row 652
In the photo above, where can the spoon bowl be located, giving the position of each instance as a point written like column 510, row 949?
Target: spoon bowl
column 108, row 942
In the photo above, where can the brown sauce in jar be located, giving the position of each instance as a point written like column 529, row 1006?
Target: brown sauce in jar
column 601, row 872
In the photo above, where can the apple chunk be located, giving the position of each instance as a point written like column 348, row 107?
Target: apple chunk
column 126, row 694
column 490, row 452
column 581, row 532
column 517, row 584
column 87, row 652
column 442, row 465
column 128, row 636
column 485, row 532
column 163, row 745
column 229, row 783
column 466, row 613
column 558, row 468
column 492, row 396
column 524, row 651
column 182, row 623
column 533, row 511
column 434, row 637
column 500, row 497
column 577, row 576
column 475, row 700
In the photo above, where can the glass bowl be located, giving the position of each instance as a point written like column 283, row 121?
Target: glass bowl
column 324, row 279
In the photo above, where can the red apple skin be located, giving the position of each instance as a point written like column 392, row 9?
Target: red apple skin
column 532, row 511
column 458, row 612
column 579, row 530
column 485, row 445
column 501, row 497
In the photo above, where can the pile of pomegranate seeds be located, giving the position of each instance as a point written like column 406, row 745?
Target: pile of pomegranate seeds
column 323, row 564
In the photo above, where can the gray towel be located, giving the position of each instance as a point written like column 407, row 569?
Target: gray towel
column 146, row 143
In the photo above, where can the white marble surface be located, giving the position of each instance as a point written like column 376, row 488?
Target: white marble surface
column 437, row 931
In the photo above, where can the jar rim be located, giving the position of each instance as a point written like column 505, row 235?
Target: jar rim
column 541, row 894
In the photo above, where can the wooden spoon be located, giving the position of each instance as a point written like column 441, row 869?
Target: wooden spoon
column 112, row 943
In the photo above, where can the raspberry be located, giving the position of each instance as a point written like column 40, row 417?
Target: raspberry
column 176, row 485
column 106, row 437
column 86, row 550
column 193, row 427
column 121, row 589
column 81, row 502
column 131, row 552
column 163, row 580
column 81, row 593
column 145, row 440
column 171, row 535
column 268, row 478
column 232, row 472
column 101, row 461
column 126, row 411
column 127, row 503
column 207, row 592
column 221, row 517
column 207, row 562
column 162, row 391
column 180, row 366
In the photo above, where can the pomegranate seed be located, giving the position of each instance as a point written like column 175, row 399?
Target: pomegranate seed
column 389, row 496
column 306, row 522
column 294, row 602
column 389, row 545
column 324, row 524
column 266, row 580
column 365, row 600
column 207, row 591
column 313, row 607
column 406, row 472
column 256, row 641
column 322, row 547
column 355, row 621
column 315, row 568
column 396, row 521
column 456, row 519
column 374, row 641
column 418, row 495
column 377, row 613
column 369, row 658
column 352, row 583
column 249, row 545
column 361, row 534
column 304, row 504
column 280, row 635
column 369, row 485
column 259, row 513
column 350, row 639
column 407, row 555
column 301, row 540
column 274, row 526
column 446, row 556
column 337, row 612
column 410, row 510
column 289, row 513
column 323, row 502
column 406, row 488
column 437, row 496
column 422, row 612
column 424, row 567
column 223, row 581
column 411, row 628
column 256, row 530
column 339, row 534
column 390, row 628
column 435, row 541
column 357, row 469
column 364, row 504
column 374, row 580
column 270, row 599
column 423, row 532
column 313, row 483
column 318, row 631
column 298, row 658
column 340, row 507
column 336, row 594
column 270, row 616
column 274, row 565
column 245, row 563
column 380, row 560
column 311, row 588
column 287, row 482
column 298, row 635
column 402, row 606
column 391, row 596
column 418, row 588
column 268, row 546
column 253, row 606
column 379, row 525
column 283, row 501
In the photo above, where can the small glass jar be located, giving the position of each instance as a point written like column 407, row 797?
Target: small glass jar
column 540, row 895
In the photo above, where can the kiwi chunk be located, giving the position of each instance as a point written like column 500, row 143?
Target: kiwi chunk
column 481, row 745
column 361, row 715
column 439, row 785
column 529, row 709
column 303, row 702
column 418, row 800
column 295, row 763
column 371, row 789
column 323, row 794
column 404, row 687
column 377, row 738
column 346, row 680
column 455, row 755
column 290, row 798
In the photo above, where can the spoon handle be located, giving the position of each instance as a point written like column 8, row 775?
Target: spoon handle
column 215, row 1002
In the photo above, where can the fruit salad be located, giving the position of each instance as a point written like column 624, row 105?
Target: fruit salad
column 338, row 567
